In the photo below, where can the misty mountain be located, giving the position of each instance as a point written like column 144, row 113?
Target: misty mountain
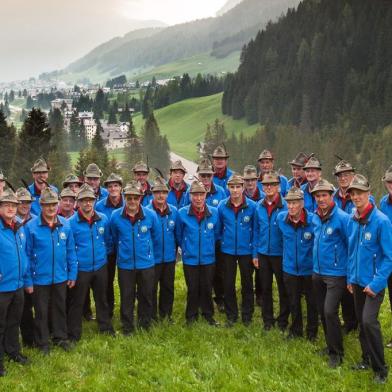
column 182, row 40
column 227, row 6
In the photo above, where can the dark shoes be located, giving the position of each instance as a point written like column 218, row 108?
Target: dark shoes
column 64, row 344
column 2, row 369
column 19, row 358
column 363, row 365
column 267, row 327
column 335, row 361
column 44, row 350
column 380, row 378
column 211, row 321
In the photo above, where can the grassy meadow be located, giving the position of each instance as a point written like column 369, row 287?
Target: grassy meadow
column 185, row 122
column 198, row 358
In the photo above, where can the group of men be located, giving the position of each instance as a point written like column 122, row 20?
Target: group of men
column 332, row 246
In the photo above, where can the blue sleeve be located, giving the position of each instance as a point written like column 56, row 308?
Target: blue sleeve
column 27, row 277
column 380, row 279
column 72, row 261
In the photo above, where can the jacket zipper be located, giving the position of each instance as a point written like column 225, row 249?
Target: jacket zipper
column 163, row 242
column 199, row 242
column 51, row 236
column 92, row 244
column 318, row 248
column 296, row 250
column 356, row 264
column 17, row 250
column 236, row 228
column 133, row 247
column 374, row 265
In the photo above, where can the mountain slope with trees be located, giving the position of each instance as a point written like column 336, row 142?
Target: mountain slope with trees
column 180, row 41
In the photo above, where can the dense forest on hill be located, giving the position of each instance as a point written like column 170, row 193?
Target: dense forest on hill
column 319, row 80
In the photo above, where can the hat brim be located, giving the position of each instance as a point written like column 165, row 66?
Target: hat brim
column 293, row 163
column 358, row 188
column 220, row 156
column 337, row 172
column 113, row 182
column 10, row 201
column 48, row 202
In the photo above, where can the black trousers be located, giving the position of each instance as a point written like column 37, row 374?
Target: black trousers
column 390, row 291
column 270, row 266
column 258, row 289
column 329, row 291
column 164, row 278
column 198, row 279
column 131, row 282
column 11, row 309
column 27, row 322
column 55, row 295
column 370, row 336
column 98, row 281
column 219, row 278
column 348, row 311
column 246, row 272
column 295, row 287
column 111, row 266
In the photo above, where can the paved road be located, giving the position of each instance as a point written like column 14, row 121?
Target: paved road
column 190, row 166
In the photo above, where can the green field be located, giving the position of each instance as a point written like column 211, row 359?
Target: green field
column 201, row 63
column 185, row 123
column 197, row 358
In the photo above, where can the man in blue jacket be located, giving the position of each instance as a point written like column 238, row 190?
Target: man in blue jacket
column 134, row 230
column 297, row 232
column 15, row 274
column 165, row 250
column 140, row 171
column 369, row 267
column 268, row 250
column 92, row 242
column 92, row 176
column 236, row 215
column 330, row 266
column 266, row 165
column 40, row 172
column 197, row 231
column 313, row 173
column 23, row 216
column 51, row 251
column 177, row 186
column 221, row 172
column 67, row 203
column 106, row 206
column 386, row 208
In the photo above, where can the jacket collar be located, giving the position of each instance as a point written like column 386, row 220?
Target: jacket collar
column 16, row 227
column 207, row 212
column 42, row 222
column 243, row 205
column 109, row 203
column 278, row 204
column 138, row 216
column 94, row 218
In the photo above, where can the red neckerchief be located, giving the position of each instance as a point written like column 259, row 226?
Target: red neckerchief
column 298, row 184
column 390, row 199
column 301, row 222
column 36, row 190
column 178, row 192
column 10, row 226
column 255, row 196
column 90, row 220
column 134, row 218
column 237, row 208
column 199, row 214
column 63, row 215
column 362, row 218
column 163, row 212
column 270, row 207
column 325, row 216
column 50, row 225
column 343, row 198
column 220, row 173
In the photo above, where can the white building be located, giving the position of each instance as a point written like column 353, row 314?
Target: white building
column 60, row 102
column 91, row 128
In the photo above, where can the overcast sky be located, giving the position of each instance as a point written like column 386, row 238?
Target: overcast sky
column 43, row 35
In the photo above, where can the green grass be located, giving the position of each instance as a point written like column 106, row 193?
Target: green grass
column 197, row 358
column 118, row 154
column 201, row 63
column 185, row 123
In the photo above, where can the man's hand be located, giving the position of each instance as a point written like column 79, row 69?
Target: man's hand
column 255, row 262
column 29, row 290
column 350, row 288
column 368, row 291
column 71, row 283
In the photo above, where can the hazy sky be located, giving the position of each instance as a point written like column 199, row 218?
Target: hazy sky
column 44, row 35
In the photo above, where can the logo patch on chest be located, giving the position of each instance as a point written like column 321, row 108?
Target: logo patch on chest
column 171, row 223
column 143, row 229
column 329, row 230
column 246, row 219
column 215, row 202
column 63, row 236
column 368, row 236
column 307, row 235
column 101, row 230
column 210, row 226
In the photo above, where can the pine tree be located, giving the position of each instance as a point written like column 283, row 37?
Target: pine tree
column 155, row 147
column 33, row 142
column 7, row 145
column 112, row 116
column 99, row 151
column 74, row 133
